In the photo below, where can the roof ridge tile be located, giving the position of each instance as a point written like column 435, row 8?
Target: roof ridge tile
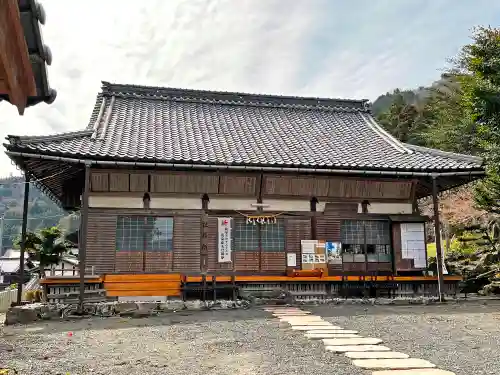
column 233, row 98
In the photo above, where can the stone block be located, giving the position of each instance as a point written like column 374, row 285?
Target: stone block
column 22, row 315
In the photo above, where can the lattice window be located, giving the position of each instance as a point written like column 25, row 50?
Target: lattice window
column 273, row 236
column 160, row 233
column 377, row 232
column 370, row 237
column 141, row 233
column 245, row 236
column 351, row 232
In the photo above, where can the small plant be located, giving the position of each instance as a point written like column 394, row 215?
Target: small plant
column 46, row 247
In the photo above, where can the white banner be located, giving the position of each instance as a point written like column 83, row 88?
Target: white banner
column 224, row 239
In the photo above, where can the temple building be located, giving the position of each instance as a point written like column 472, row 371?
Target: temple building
column 267, row 188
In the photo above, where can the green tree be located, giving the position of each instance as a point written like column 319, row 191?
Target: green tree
column 403, row 118
column 46, row 247
column 448, row 122
column 479, row 67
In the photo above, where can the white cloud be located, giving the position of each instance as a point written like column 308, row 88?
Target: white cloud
column 335, row 48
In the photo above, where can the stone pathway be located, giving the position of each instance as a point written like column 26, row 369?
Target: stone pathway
column 365, row 352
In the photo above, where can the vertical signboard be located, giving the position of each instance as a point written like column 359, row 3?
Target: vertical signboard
column 224, row 239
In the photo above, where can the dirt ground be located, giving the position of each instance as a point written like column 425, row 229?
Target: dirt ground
column 462, row 338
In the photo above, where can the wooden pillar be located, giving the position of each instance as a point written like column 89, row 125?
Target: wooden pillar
column 24, row 228
column 437, row 230
column 82, row 253
column 260, row 210
column 205, row 200
column 314, row 219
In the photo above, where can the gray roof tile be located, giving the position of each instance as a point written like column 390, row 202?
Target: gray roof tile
column 203, row 127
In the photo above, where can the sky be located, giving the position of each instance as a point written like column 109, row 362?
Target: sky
column 356, row 49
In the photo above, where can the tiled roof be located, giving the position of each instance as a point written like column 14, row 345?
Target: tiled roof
column 137, row 123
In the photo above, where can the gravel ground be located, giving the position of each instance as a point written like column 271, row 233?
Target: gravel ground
column 232, row 342
column 461, row 338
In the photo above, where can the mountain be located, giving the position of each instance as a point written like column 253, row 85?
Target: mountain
column 42, row 212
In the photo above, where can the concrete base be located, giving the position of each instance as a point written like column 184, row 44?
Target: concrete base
column 394, row 364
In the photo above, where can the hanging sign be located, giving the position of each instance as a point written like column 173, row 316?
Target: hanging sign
column 261, row 219
column 224, row 239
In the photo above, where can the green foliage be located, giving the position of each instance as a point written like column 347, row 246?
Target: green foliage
column 459, row 113
column 46, row 246
column 403, row 118
column 479, row 64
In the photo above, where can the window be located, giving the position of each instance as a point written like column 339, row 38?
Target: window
column 246, row 236
column 160, row 231
column 370, row 238
column 144, row 233
column 273, row 236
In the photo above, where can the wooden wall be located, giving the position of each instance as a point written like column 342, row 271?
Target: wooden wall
column 273, row 186
column 192, row 253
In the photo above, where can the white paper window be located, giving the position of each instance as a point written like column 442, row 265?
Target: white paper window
column 413, row 243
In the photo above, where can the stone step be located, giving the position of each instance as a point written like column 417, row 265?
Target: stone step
column 375, row 355
column 393, row 364
column 331, row 335
column 356, row 348
column 334, row 331
column 422, row 371
column 354, row 341
column 312, row 327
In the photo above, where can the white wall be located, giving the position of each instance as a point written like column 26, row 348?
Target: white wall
column 99, row 201
column 287, row 205
column 388, row 208
column 231, row 203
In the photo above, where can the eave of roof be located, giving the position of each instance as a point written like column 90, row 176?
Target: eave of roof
column 32, row 15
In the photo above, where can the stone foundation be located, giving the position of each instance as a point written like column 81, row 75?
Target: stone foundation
column 39, row 311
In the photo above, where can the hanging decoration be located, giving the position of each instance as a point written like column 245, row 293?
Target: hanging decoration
column 254, row 220
column 261, row 219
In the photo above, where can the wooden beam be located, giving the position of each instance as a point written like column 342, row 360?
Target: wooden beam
column 14, row 56
column 437, row 230
column 24, row 227
column 4, row 87
column 82, row 252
